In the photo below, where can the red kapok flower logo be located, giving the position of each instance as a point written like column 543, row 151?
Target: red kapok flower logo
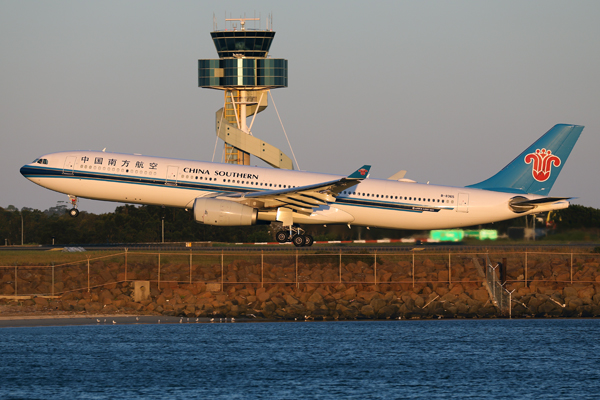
column 362, row 171
column 542, row 164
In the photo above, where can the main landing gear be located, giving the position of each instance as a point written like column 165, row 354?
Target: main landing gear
column 295, row 235
column 73, row 212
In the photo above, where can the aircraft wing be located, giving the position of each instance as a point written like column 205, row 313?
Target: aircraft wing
column 302, row 199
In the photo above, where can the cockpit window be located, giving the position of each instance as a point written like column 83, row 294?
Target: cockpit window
column 41, row 161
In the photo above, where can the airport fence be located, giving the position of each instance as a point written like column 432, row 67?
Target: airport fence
column 399, row 271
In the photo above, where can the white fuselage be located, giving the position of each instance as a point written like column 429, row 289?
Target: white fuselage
column 131, row 178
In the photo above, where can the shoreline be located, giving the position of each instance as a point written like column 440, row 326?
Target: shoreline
column 22, row 321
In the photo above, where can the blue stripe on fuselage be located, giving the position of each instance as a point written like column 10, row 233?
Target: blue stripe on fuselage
column 46, row 172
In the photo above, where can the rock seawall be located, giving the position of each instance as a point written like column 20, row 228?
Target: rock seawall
column 386, row 288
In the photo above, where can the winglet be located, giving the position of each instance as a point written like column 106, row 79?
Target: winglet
column 360, row 173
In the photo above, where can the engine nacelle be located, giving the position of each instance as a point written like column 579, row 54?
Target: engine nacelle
column 223, row 213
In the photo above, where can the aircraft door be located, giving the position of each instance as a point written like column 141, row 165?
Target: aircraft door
column 69, row 165
column 172, row 175
column 463, row 202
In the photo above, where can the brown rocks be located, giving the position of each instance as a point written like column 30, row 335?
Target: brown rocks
column 481, row 295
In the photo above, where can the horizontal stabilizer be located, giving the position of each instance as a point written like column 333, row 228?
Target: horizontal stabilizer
column 521, row 204
column 544, row 200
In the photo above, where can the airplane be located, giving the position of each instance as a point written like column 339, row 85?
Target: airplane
column 237, row 195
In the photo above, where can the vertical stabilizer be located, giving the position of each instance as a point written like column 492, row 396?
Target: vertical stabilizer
column 535, row 170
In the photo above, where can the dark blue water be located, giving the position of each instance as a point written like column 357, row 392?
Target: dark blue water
column 504, row 359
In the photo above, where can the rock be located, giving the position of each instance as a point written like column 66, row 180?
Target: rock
column 586, row 293
column 8, row 290
column 268, row 308
column 442, row 276
column 387, row 311
column 213, row 287
column 316, row 298
column 279, row 302
column 40, row 301
column 457, row 289
column 573, row 303
column 550, row 308
column 462, row 308
column 263, row 296
column 291, row 300
column 481, row 295
column 367, row 311
column 533, row 304
column 448, row 297
column 377, row 304
column 93, row 307
column 569, row 292
column 450, row 310
column 419, row 301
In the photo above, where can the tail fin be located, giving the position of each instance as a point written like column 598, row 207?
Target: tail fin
column 535, row 170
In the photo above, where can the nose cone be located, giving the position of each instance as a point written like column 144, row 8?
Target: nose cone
column 26, row 170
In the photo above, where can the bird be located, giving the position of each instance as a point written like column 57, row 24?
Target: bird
column 159, row 321
column 97, row 320
column 232, row 319
column 212, row 320
column 137, row 319
column 114, row 322
column 197, row 319
column 181, row 320
column 104, row 319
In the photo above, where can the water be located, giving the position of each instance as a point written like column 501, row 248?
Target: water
column 504, row 359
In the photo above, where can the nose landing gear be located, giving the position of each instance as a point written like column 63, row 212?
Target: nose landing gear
column 73, row 212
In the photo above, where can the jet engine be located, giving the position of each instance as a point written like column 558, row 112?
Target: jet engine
column 223, row 213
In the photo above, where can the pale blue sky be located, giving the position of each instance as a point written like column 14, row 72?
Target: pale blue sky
column 450, row 91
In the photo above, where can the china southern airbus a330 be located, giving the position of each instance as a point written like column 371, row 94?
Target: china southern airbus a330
column 234, row 195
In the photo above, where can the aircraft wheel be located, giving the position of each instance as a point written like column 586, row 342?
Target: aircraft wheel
column 281, row 237
column 73, row 212
column 299, row 240
column 308, row 240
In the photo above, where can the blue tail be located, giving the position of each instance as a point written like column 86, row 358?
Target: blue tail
column 535, row 170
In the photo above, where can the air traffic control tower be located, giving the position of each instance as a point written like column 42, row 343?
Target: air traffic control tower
column 246, row 74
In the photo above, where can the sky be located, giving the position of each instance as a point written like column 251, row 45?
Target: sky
column 449, row 91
